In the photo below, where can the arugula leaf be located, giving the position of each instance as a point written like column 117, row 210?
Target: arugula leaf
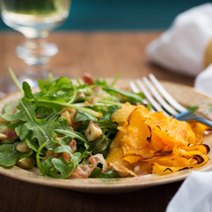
column 45, row 83
column 97, row 173
column 116, row 79
column 61, row 88
column 15, row 80
column 100, row 145
column 84, row 150
column 103, row 82
column 58, row 167
column 71, row 134
column 8, row 158
column 38, row 157
column 8, row 108
column 58, row 94
column 2, row 126
column 33, row 144
column 75, row 157
column 105, row 121
column 100, row 82
column 82, row 116
column 13, row 125
column 7, row 146
column 134, row 97
column 61, row 165
column 108, row 127
column 53, row 102
column 192, row 109
column 46, row 167
column 9, row 154
column 64, row 129
column 28, row 123
column 47, row 112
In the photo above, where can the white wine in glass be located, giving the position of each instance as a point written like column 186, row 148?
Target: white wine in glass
column 35, row 19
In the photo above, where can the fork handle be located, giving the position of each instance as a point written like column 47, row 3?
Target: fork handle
column 191, row 117
column 204, row 121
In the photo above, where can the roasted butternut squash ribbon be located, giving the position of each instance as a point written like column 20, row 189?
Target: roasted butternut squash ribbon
column 150, row 142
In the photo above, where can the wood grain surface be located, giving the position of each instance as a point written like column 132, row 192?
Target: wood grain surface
column 103, row 55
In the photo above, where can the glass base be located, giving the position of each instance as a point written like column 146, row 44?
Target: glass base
column 7, row 85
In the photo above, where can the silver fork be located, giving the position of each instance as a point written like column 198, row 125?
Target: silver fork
column 161, row 100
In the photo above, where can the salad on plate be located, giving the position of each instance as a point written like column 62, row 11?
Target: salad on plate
column 93, row 129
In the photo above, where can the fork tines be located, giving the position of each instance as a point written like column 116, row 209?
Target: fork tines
column 157, row 96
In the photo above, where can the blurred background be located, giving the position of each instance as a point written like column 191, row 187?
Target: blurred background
column 109, row 15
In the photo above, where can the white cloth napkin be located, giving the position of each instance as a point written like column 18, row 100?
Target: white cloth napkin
column 182, row 47
column 195, row 194
column 203, row 81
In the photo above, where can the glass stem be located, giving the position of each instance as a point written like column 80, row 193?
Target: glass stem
column 36, row 53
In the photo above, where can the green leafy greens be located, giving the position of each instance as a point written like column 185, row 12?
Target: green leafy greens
column 52, row 124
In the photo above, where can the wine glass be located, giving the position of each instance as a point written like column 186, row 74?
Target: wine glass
column 35, row 19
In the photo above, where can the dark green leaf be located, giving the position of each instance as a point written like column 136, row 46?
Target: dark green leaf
column 192, row 109
column 28, row 92
column 105, row 121
column 116, row 79
column 63, row 167
column 100, row 145
column 82, row 116
column 8, row 108
column 133, row 97
column 7, row 147
column 64, row 129
column 28, row 123
column 9, row 155
column 60, row 89
column 33, row 144
column 97, row 173
column 47, row 166
column 2, row 126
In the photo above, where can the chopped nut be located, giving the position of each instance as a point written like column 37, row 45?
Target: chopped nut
column 93, row 100
column 93, row 131
column 23, row 147
column 97, row 91
column 26, row 164
column 68, row 114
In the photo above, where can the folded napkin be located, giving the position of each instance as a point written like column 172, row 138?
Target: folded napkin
column 203, row 81
column 186, row 46
column 195, row 194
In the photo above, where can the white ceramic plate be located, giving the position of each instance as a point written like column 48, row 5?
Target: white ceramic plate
column 184, row 94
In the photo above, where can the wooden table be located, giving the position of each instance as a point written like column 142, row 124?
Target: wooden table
column 102, row 55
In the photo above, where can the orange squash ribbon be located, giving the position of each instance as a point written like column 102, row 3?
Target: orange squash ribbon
column 150, row 142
